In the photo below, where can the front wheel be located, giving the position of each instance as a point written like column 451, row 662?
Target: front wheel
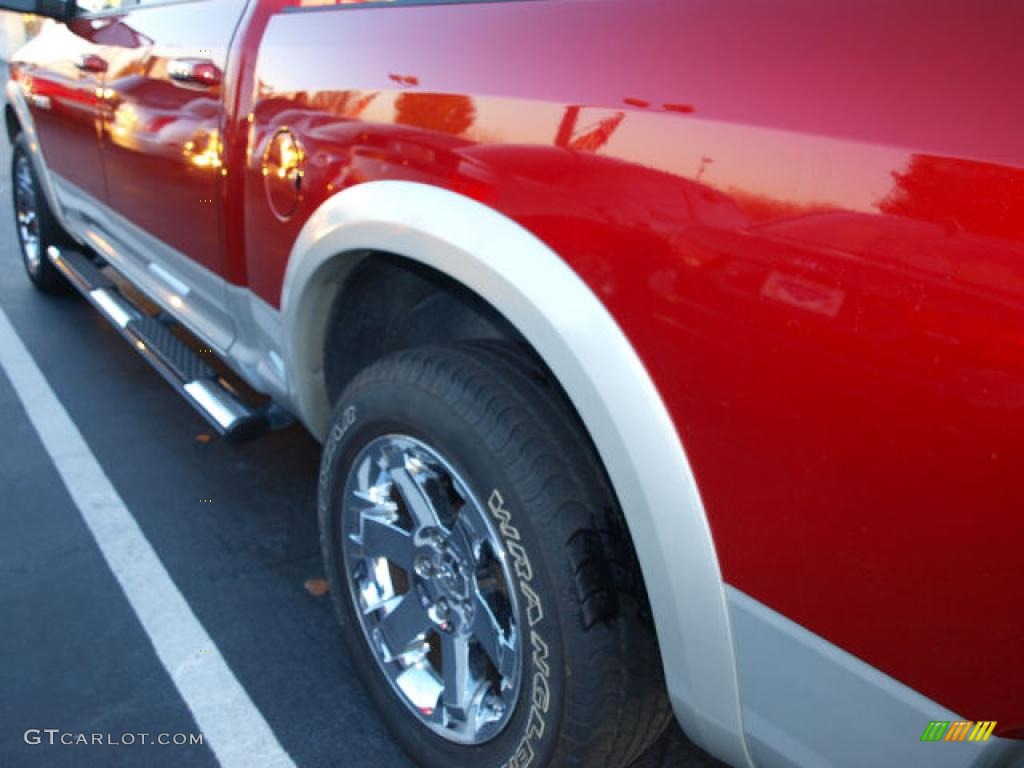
column 34, row 222
column 479, row 567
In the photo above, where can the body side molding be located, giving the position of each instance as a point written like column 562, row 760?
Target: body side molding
column 571, row 330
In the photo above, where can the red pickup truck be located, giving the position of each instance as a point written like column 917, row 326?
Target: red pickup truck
column 668, row 355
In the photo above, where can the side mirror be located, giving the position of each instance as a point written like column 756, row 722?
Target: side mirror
column 54, row 9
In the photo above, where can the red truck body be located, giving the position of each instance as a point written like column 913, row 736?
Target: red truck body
column 807, row 217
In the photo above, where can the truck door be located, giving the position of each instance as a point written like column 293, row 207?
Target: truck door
column 62, row 79
column 161, row 120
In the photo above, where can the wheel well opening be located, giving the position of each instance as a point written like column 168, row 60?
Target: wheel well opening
column 388, row 303
column 11, row 123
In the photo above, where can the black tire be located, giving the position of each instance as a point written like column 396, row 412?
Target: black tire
column 43, row 274
column 596, row 695
column 675, row 750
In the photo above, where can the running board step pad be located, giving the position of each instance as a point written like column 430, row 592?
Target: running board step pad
column 84, row 270
column 190, row 375
column 186, row 364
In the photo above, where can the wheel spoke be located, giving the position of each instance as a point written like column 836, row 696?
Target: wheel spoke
column 415, row 498
column 470, row 529
column 377, row 496
column 458, row 680
column 406, row 622
column 492, row 638
column 380, row 538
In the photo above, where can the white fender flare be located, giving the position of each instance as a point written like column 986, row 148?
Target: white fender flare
column 16, row 99
column 555, row 311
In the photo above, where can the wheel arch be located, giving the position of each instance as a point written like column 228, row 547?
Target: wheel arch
column 18, row 119
column 387, row 303
column 570, row 330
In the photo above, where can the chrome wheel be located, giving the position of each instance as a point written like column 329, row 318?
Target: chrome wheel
column 26, row 214
column 431, row 584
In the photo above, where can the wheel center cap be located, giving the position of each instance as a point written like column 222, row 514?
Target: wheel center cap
column 451, row 575
column 442, row 573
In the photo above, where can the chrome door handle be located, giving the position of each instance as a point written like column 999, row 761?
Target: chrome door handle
column 194, row 71
column 90, row 62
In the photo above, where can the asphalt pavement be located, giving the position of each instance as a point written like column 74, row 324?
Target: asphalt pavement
column 234, row 527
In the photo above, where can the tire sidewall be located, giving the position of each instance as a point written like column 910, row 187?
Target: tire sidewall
column 396, row 407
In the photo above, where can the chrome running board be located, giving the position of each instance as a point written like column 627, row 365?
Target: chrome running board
column 153, row 338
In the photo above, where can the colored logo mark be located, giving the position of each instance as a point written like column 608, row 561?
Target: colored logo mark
column 944, row 730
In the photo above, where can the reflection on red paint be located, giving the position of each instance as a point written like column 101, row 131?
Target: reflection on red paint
column 934, row 188
column 827, row 291
column 808, row 221
column 443, row 113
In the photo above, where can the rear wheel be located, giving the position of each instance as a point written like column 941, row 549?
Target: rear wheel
column 34, row 222
column 482, row 575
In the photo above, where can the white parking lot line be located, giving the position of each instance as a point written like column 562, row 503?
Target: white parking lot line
column 231, row 724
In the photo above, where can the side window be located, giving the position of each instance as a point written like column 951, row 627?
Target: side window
column 97, row 6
